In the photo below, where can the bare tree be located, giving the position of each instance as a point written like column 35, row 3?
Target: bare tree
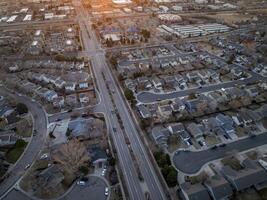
column 72, row 156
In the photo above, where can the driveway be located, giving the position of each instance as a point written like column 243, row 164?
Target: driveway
column 93, row 190
column 190, row 162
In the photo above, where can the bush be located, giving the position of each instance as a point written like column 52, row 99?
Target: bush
column 20, row 143
column 129, row 94
column 112, row 161
column 84, row 170
column 21, row 108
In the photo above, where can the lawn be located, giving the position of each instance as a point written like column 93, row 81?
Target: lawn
column 240, row 131
column 174, row 143
column 24, row 127
column 212, row 140
column 14, row 154
column 248, row 195
column 232, row 162
column 263, row 194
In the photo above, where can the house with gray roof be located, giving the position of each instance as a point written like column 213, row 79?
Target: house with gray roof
column 194, row 191
column 160, row 136
column 50, row 177
column 144, row 111
column 252, row 175
column 98, row 156
column 218, row 187
column 195, row 130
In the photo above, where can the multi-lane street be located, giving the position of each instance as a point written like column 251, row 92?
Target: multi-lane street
column 100, row 68
column 34, row 146
column 190, row 162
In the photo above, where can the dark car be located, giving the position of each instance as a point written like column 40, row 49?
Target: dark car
column 214, row 147
column 222, row 145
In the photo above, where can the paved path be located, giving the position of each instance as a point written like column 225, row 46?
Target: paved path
column 191, row 162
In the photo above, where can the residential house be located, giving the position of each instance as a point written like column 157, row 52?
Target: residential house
column 252, row 91
column 165, row 110
column 237, row 72
column 253, row 174
column 59, row 83
column 227, row 124
column 84, row 98
column 59, row 102
column 157, row 83
column 194, row 191
column 70, row 87
column 179, row 130
column 192, row 76
column 130, row 84
column 245, row 120
column 196, row 131
column 234, row 93
column 50, row 178
column 144, row 81
column 218, row 187
column 98, row 156
column 50, row 95
column 71, row 100
column 178, row 105
column 160, row 136
column 144, row 111
column 83, row 86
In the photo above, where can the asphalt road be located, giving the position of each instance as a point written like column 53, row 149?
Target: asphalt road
column 149, row 97
column 33, row 148
column 125, row 159
column 16, row 195
column 191, row 162
column 126, row 163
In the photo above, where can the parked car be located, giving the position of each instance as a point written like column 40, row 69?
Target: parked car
column 106, row 191
column 81, row 183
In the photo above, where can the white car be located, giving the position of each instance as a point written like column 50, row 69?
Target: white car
column 27, row 166
column 44, row 156
column 106, row 191
column 81, row 183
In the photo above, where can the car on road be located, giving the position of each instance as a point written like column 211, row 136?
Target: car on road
column 252, row 136
column 81, row 183
column 34, row 132
column 70, row 110
column 222, row 145
column 27, row 166
column 106, row 191
column 114, row 129
column 214, row 147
